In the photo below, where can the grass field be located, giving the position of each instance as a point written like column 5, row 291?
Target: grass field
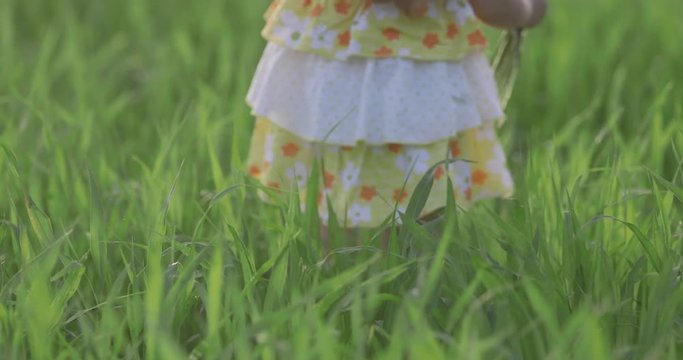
column 127, row 229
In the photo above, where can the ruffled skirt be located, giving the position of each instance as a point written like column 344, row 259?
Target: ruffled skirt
column 375, row 127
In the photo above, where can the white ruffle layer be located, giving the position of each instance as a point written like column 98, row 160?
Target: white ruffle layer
column 376, row 101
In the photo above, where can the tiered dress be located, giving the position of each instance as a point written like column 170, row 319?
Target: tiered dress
column 376, row 98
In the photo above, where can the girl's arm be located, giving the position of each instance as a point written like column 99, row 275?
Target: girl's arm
column 509, row 14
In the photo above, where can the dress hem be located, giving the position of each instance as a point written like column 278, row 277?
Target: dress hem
column 270, row 118
column 427, row 211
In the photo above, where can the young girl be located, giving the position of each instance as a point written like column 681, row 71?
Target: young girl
column 377, row 92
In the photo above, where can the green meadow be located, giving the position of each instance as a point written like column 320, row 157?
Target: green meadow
column 128, row 228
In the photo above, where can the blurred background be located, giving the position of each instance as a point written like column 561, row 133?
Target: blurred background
column 123, row 123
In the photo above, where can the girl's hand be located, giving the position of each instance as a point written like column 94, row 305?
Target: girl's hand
column 507, row 14
column 510, row 14
column 538, row 13
column 413, row 8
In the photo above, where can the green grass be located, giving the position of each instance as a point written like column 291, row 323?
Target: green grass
column 128, row 230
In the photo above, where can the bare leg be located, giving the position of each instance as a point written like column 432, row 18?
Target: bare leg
column 325, row 244
column 384, row 239
column 352, row 236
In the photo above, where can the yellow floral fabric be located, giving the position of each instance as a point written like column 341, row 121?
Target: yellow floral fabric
column 366, row 183
column 339, row 29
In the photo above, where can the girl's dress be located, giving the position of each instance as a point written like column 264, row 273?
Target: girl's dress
column 376, row 98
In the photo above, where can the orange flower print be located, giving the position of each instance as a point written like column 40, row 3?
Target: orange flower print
column 368, row 193
column 479, row 177
column 307, row 3
column 477, row 38
column 254, row 171
column 455, row 148
column 384, row 51
column 439, row 172
column 290, row 149
column 344, row 39
column 400, row 195
column 394, row 148
column 329, row 179
column 342, row 7
column 453, row 31
column 317, row 10
column 430, row 40
column 273, row 5
column 391, row 33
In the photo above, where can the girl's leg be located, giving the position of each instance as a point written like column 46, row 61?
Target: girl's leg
column 325, row 239
column 384, row 239
column 352, row 235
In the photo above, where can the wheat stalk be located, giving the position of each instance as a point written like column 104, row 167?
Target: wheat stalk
column 506, row 63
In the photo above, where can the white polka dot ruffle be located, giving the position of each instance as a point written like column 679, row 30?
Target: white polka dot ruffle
column 375, row 101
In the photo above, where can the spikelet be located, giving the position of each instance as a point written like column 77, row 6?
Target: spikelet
column 506, row 63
